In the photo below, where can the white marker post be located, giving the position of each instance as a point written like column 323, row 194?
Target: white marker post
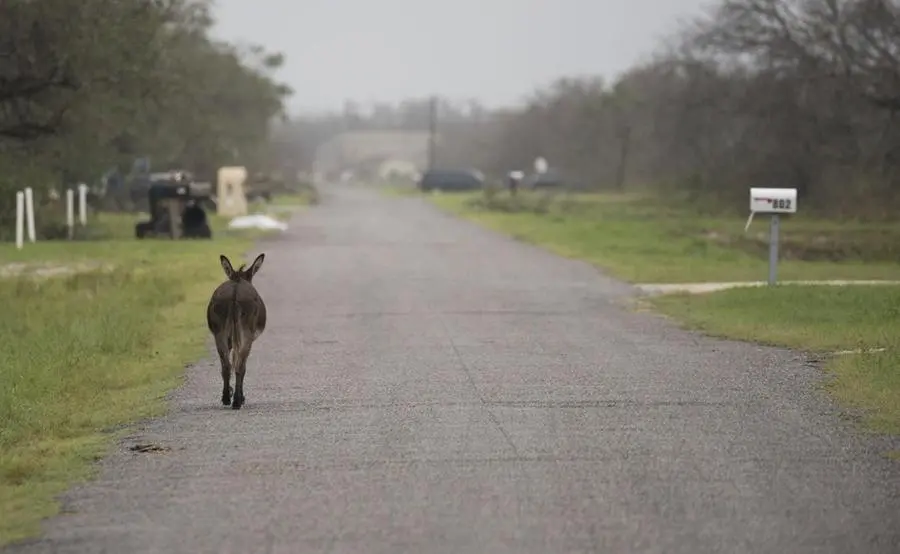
column 29, row 214
column 775, row 202
column 82, row 204
column 70, row 212
column 20, row 219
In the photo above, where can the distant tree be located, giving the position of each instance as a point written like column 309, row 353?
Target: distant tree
column 776, row 92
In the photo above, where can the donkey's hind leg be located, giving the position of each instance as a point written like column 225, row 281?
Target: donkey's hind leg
column 239, row 373
column 224, row 358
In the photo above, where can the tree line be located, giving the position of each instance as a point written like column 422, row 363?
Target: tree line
column 87, row 87
column 780, row 93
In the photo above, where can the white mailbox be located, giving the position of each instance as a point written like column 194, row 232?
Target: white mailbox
column 773, row 201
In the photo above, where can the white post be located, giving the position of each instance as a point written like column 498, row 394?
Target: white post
column 20, row 219
column 29, row 213
column 82, row 203
column 70, row 211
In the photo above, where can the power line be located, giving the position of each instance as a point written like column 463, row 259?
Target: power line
column 432, row 131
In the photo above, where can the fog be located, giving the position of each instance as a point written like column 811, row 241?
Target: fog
column 497, row 51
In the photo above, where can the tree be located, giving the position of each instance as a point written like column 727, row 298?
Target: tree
column 93, row 84
column 798, row 93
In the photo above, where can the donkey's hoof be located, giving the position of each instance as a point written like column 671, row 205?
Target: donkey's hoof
column 237, row 402
column 226, row 397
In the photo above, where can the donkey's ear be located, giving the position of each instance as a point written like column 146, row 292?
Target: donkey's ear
column 257, row 263
column 226, row 265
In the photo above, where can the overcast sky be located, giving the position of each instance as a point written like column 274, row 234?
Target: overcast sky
column 495, row 50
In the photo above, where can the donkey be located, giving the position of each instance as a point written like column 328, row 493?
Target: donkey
column 236, row 316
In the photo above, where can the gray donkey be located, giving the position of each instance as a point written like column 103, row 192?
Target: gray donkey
column 236, row 317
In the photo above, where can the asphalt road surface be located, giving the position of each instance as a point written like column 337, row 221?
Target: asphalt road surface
column 427, row 386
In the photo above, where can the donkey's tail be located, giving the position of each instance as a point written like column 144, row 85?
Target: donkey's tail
column 235, row 340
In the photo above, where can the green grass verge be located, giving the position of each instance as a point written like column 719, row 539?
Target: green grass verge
column 817, row 318
column 636, row 238
column 87, row 353
column 304, row 197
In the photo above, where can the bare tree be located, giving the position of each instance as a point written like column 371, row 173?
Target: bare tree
column 801, row 93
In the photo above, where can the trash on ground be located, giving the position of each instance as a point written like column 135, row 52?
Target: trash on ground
column 257, row 221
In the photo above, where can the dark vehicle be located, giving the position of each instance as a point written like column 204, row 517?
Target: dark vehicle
column 174, row 213
column 138, row 188
column 451, row 180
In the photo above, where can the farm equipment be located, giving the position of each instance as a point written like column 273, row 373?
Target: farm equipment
column 175, row 212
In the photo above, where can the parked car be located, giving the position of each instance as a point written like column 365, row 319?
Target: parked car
column 451, row 180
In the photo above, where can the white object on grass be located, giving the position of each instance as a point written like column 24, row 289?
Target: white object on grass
column 82, row 203
column 20, row 219
column 29, row 214
column 749, row 221
column 70, row 212
column 257, row 221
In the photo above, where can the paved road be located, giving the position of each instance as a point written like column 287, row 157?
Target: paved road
column 426, row 386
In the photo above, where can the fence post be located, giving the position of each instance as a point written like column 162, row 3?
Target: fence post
column 70, row 212
column 82, row 203
column 29, row 214
column 20, row 219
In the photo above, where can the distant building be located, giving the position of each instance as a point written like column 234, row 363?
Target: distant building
column 392, row 169
column 361, row 148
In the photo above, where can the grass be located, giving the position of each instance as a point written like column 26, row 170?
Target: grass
column 819, row 318
column 639, row 239
column 88, row 353
column 399, row 190
column 816, row 318
column 304, row 197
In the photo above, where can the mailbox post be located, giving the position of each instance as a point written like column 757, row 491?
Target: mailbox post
column 772, row 201
column 513, row 178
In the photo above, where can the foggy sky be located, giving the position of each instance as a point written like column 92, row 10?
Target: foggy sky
column 495, row 50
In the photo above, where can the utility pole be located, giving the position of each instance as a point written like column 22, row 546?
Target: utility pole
column 432, row 131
